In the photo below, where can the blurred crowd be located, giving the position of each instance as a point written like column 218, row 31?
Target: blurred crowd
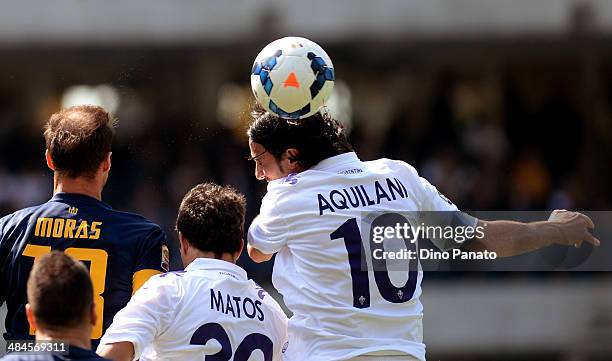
column 507, row 137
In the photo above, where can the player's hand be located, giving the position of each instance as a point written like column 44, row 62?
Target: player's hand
column 573, row 228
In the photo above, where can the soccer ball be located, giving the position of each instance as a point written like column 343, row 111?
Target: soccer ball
column 292, row 77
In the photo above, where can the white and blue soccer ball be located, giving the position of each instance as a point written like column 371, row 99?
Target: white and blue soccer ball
column 292, row 77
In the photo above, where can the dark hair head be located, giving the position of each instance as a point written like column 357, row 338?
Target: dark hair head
column 78, row 139
column 60, row 292
column 211, row 218
column 316, row 137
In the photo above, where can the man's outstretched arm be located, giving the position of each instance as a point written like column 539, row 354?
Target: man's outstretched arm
column 508, row 238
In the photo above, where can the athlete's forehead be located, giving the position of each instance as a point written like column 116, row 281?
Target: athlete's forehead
column 255, row 147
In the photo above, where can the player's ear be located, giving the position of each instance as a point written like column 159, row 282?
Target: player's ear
column 182, row 243
column 49, row 160
column 30, row 316
column 106, row 163
column 292, row 155
column 237, row 255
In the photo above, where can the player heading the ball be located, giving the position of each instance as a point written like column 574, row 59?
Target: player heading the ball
column 342, row 309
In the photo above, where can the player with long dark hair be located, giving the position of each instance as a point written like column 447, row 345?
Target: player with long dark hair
column 311, row 218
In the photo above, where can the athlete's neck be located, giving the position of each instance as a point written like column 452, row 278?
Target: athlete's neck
column 228, row 257
column 82, row 185
column 78, row 337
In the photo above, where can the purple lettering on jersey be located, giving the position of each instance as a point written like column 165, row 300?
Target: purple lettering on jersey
column 385, row 190
column 216, row 301
column 258, row 307
column 261, row 293
column 229, row 307
column 365, row 194
column 324, row 204
column 237, row 300
column 380, row 193
column 291, row 179
column 236, row 306
column 395, row 188
column 338, row 199
column 351, row 171
column 249, row 313
column 353, row 204
column 252, row 342
column 363, row 203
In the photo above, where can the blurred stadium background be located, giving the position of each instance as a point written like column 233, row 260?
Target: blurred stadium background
column 504, row 105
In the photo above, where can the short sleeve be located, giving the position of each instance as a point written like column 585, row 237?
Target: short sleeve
column 147, row 314
column 431, row 199
column 268, row 231
column 435, row 209
column 153, row 252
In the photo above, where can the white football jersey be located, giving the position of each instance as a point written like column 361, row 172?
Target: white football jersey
column 211, row 308
column 312, row 220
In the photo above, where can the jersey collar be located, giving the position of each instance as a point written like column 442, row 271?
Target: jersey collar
column 77, row 353
column 223, row 267
column 82, row 198
column 335, row 161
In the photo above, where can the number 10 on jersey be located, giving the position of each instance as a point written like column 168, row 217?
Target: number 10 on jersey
column 349, row 232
